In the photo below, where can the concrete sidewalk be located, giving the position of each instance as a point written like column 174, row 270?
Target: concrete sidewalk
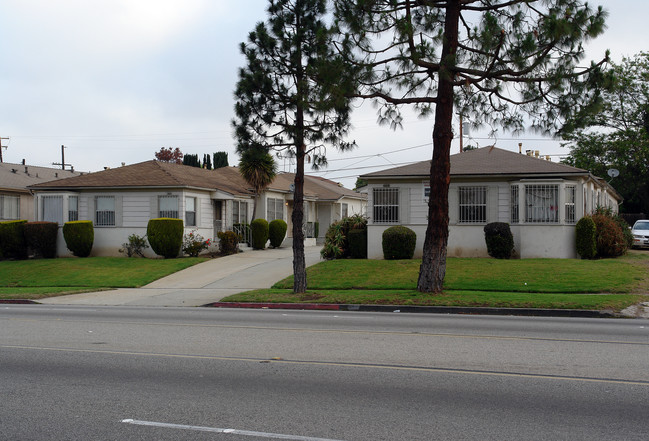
column 203, row 283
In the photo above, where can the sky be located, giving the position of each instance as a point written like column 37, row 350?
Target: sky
column 115, row 80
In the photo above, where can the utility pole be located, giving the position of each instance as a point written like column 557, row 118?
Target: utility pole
column 2, row 147
column 62, row 163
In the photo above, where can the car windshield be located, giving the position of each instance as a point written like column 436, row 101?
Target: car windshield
column 641, row 226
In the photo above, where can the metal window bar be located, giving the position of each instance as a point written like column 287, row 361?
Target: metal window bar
column 104, row 211
column 168, row 206
column 515, row 211
column 73, row 208
column 473, row 204
column 542, row 203
column 570, row 204
column 309, row 229
column 52, row 209
column 386, row 205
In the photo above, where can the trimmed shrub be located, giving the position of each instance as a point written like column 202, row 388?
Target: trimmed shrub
column 135, row 246
column 277, row 232
column 165, row 236
column 399, row 243
column 41, row 238
column 12, row 240
column 499, row 239
column 609, row 237
column 336, row 244
column 259, row 233
column 228, row 242
column 316, row 229
column 357, row 243
column 79, row 237
column 585, row 231
column 621, row 222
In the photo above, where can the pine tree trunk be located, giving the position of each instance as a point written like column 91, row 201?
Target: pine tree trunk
column 433, row 263
column 299, row 263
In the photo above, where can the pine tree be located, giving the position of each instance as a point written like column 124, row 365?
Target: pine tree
column 286, row 99
column 503, row 63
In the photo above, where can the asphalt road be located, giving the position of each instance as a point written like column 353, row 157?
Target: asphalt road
column 105, row 373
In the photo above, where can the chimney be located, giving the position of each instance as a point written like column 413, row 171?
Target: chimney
column 23, row 161
column 536, row 153
column 520, row 148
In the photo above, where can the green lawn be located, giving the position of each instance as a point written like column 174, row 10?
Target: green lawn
column 530, row 283
column 33, row 279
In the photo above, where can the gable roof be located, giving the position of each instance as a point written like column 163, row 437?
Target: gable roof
column 17, row 177
column 486, row 161
column 155, row 174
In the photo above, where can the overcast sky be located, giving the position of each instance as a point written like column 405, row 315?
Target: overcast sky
column 116, row 80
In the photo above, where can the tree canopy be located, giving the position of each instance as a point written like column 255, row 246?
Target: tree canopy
column 618, row 135
column 504, row 63
column 169, row 155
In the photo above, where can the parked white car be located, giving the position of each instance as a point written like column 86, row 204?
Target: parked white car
column 640, row 232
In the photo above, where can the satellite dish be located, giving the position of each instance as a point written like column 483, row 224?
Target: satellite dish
column 613, row 172
column 292, row 187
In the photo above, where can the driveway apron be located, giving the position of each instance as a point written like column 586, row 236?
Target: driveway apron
column 203, row 283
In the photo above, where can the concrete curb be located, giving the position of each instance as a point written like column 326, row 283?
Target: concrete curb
column 18, row 302
column 423, row 309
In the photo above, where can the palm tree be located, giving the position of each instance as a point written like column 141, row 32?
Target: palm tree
column 258, row 168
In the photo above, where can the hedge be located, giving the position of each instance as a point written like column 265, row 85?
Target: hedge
column 79, row 237
column 277, row 232
column 259, row 233
column 12, row 240
column 165, row 236
column 41, row 238
column 399, row 243
column 499, row 239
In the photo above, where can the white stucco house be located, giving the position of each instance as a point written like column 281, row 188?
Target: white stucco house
column 541, row 200
column 16, row 200
column 121, row 201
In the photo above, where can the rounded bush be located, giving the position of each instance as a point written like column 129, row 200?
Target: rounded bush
column 277, row 232
column 12, row 240
column 79, row 237
column 585, row 231
column 609, row 237
column 499, row 239
column 165, row 236
column 357, row 239
column 399, row 243
column 259, row 233
column 228, row 242
column 41, row 238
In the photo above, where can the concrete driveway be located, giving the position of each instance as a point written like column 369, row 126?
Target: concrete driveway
column 203, row 283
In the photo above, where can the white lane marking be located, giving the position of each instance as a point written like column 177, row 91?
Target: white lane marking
column 220, row 430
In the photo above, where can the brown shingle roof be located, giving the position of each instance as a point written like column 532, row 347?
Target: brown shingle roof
column 157, row 174
column 486, row 161
column 154, row 174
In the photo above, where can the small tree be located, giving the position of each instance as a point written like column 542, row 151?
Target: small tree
column 169, row 155
column 258, row 169
column 291, row 96
column 220, row 160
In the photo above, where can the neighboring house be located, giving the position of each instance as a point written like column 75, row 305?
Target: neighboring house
column 541, row 200
column 121, row 201
column 16, row 201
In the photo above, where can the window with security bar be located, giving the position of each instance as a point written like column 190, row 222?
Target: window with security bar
column 542, row 203
column 73, row 208
column 105, row 211
column 386, row 205
column 52, row 209
column 239, row 212
column 570, row 204
column 168, row 206
column 9, row 207
column 473, row 204
column 514, row 206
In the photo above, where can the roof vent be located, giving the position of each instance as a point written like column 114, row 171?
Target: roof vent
column 56, row 175
column 13, row 170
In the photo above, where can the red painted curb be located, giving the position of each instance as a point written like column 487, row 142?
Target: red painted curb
column 311, row 306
